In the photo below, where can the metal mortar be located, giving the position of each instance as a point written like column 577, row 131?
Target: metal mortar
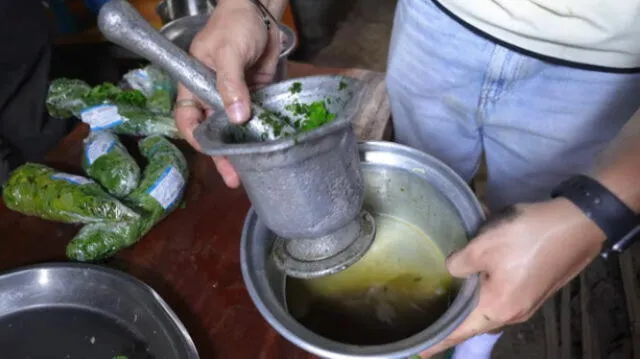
column 306, row 187
column 401, row 182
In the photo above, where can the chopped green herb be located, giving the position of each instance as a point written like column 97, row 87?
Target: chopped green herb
column 313, row 115
column 272, row 120
column 342, row 86
column 296, row 87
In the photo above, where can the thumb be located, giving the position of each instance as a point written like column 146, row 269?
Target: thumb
column 230, row 66
column 466, row 261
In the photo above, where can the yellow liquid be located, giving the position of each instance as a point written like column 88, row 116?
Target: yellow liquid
column 397, row 289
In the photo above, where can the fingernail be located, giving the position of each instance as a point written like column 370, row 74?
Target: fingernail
column 237, row 112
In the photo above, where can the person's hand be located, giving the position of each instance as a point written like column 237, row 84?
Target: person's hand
column 524, row 255
column 236, row 43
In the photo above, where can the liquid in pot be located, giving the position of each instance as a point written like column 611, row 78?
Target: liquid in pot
column 396, row 290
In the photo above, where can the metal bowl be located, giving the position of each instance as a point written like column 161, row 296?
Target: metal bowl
column 182, row 31
column 401, row 182
column 73, row 310
column 170, row 10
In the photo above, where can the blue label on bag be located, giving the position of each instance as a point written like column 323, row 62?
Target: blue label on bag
column 101, row 117
column 79, row 180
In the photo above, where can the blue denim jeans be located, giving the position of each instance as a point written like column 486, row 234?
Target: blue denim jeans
column 456, row 95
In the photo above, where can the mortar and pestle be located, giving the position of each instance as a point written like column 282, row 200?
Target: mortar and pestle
column 319, row 200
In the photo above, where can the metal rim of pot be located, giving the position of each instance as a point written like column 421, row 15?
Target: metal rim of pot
column 200, row 20
column 265, row 300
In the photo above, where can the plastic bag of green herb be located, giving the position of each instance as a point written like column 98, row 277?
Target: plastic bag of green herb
column 108, row 107
column 65, row 97
column 38, row 190
column 97, row 241
column 156, row 85
column 107, row 161
column 159, row 193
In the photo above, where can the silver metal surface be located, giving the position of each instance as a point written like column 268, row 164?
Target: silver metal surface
column 170, row 10
column 403, row 183
column 308, row 185
column 85, row 292
column 182, row 31
column 121, row 24
column 329, row 254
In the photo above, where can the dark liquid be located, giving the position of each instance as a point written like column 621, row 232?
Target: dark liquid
column 67, row 333
column 373, row 319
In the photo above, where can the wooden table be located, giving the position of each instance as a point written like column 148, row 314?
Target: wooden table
column 191, row 258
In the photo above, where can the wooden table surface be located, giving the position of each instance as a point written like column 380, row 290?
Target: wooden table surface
column 191, row 258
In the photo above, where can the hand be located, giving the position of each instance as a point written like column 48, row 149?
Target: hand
column 524, row 255
column 235, row 42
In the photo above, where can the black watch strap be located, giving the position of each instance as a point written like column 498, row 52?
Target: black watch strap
column 619, row 222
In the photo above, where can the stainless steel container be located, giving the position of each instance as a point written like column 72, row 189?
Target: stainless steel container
column 401, row 182
column 170, row 10
column 181, row 32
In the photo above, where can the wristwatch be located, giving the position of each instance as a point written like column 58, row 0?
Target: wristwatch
column 619, row 222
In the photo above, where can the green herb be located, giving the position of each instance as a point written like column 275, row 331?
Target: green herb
column 272, row 120
column 313, row 115
column 64, row 98
column 120, row 357
column 156, row 85
column 101, row 93
column 38, row 190
column 342, row 86
column 160, row 101
column 113, row 167
column 109, row 93
column 102, row 240
column 130, row 97
column 296, row 87
column 68, row 98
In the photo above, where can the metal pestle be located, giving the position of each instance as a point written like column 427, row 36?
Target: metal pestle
column 120, row 23
column 308, row 188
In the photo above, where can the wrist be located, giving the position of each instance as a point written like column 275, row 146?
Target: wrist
column 578, row 224
column 275, row 7
column 623, row 186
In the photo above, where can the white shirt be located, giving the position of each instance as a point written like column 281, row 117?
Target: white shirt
column 593, row 32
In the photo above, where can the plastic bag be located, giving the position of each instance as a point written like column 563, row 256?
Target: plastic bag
column 38, row 190
column 108, row 162
column 159, row 193
column 106, row 106
column 156, row 85
column 65, row 97
column 97, row 241
column 163, row 181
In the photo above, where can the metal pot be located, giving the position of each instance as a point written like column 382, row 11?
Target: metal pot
column 170, row 10
column 182, row 31
column 401, row 182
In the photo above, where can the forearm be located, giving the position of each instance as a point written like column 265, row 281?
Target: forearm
column 276, row 7
column 618, row 167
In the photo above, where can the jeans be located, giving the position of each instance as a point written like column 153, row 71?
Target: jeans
column 456, row 95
